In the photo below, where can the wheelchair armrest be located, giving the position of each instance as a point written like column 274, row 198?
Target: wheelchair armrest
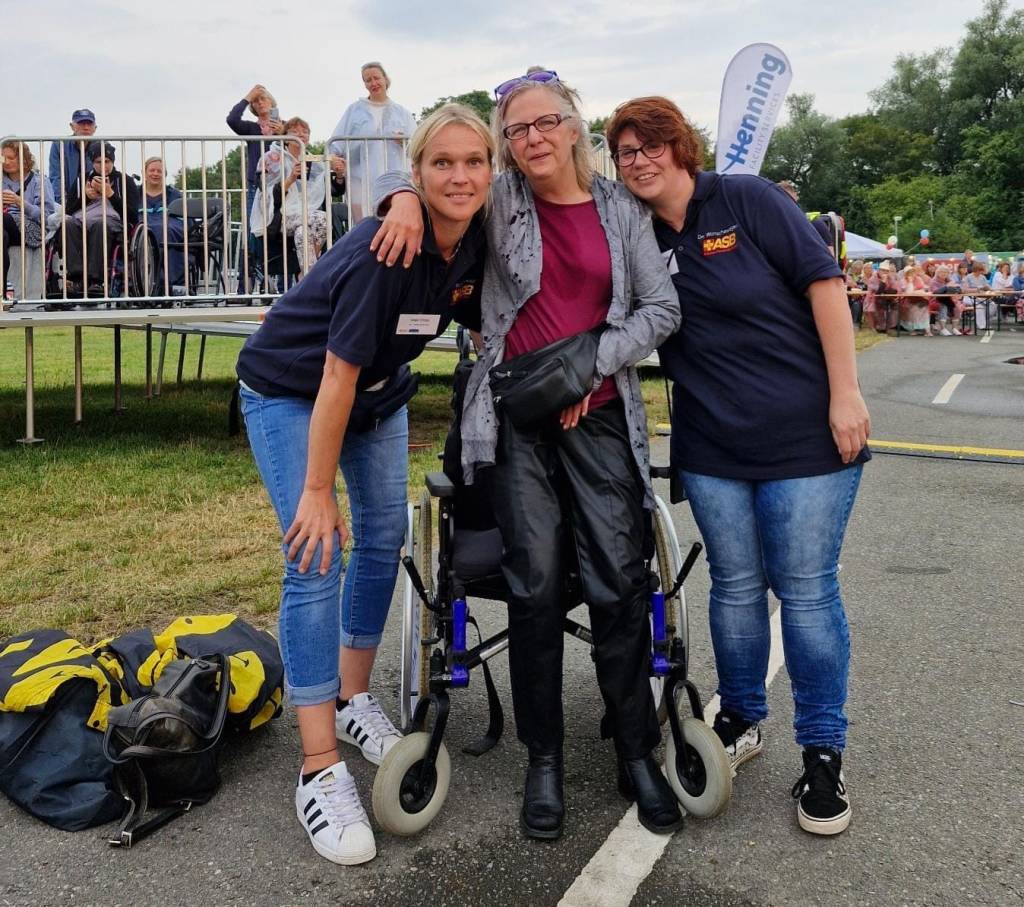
column 439, row 485
column 661, row 472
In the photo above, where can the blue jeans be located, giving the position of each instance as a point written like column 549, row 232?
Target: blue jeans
column 784, row 535
column 318, row 615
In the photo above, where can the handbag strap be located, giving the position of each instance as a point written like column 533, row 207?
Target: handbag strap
column 130, row 782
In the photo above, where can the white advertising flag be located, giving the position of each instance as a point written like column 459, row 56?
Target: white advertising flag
column 754, row 88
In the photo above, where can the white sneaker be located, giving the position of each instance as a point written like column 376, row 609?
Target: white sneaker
column 329, row 809
column 957, row 332
column 363, row 723
column 946, row 333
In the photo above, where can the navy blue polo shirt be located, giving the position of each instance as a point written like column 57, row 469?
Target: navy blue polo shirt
column 351, row 304
column 750, row 396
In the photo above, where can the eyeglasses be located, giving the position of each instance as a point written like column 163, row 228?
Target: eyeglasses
column 542, row 124
column 541, row 75
column 625, row 157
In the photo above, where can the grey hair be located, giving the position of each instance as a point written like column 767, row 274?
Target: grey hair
column 569, row 106
column 374, row 64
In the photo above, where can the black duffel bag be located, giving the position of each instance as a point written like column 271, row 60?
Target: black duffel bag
column 164, row 745
column 535, row 385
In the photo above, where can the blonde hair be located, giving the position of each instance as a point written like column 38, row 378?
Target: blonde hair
column 150, row 160
column 569, row 101
column 450, row 115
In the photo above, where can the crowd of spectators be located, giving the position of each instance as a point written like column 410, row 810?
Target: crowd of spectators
column 285, row 186
column 284, row 190
column 931, row 299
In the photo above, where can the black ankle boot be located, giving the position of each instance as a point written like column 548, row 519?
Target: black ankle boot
column 543, row 798
column 656, row 804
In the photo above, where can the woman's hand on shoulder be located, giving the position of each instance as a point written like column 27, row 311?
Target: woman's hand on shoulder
column 401, row 229
column 850, row 424
column 316, row 520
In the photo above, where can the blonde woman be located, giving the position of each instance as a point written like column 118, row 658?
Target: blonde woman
column 325, row 382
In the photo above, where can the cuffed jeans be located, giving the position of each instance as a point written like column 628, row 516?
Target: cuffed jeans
column 317, row 614
column 554, row 490
column 785, row 535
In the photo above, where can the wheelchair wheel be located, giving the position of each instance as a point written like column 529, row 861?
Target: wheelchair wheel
column 424, row 557
column 401, row 804
column 667, row 564
column 707, row 793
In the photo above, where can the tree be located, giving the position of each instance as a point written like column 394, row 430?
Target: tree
column 810, row 150
column 478, row 100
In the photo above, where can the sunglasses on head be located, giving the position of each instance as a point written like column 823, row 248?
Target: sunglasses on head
column 542, row 75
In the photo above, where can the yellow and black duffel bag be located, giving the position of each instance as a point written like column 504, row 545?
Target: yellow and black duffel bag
column 56, row 695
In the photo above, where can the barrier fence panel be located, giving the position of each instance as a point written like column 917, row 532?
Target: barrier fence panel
column 107, row 232
column 200, row 232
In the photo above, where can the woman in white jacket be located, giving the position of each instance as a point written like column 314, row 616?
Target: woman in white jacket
column 304, row 221
column 373, row 116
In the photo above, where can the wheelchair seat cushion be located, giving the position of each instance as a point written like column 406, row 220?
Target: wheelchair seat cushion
column 477, row 553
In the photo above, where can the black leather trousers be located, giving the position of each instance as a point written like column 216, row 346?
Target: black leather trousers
column 554, row 490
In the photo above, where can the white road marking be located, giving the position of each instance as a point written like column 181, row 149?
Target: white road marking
column 628, row 855
column 987, row 337
column 947, row 389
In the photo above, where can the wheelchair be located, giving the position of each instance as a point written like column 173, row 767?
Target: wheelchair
column 57, row 284
column 202, row 224
column 413, row 779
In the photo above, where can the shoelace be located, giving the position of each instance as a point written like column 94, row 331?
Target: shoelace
column 820, row 777
column 373, row 720
column 341, row 801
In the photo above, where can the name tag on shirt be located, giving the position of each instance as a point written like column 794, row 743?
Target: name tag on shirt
column 418, row 324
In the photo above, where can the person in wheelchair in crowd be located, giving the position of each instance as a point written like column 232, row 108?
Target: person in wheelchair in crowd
column 27, row 201
column 326, row 381
column 280, row 189
column 570, row 252
column 108, row 205
column 769, row 434
column 157, row 195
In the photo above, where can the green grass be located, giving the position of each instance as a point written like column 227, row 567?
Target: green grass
column 132, row 518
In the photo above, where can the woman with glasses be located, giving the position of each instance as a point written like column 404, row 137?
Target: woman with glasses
column 570, row 251
column 769, row 433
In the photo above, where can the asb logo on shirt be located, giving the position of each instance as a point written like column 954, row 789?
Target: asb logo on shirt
column 462, row 291
column 718, row 241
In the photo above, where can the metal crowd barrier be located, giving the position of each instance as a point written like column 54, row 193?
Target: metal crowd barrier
column 196, row 250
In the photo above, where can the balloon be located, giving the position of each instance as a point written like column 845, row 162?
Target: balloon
column 925, row 234
column 925, row 240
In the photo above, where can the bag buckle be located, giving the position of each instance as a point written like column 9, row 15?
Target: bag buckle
column 123, row 840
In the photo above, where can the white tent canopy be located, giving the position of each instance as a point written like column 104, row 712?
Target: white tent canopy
column 862, row 247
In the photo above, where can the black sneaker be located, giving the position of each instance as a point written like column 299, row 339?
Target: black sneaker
column 823, row 808
column 741, row 738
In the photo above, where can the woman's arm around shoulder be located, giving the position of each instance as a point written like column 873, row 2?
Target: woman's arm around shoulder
column 654, row 306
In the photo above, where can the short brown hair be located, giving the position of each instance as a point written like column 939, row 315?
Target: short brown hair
column 28, row 162
column 657, row 119
column 293, row 122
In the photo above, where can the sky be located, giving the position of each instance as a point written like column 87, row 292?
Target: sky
column 177, row 67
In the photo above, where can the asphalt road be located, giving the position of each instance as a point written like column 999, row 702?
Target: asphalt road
column 932, row 584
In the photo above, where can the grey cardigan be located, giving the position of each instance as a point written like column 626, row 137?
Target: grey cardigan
column 644, row 308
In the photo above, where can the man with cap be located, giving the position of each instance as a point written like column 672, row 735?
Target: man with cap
column 83, row 125
column 108, row 203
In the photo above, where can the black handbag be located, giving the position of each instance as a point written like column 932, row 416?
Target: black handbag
column 535, row 385
column 164, row 745
column 370, row 408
